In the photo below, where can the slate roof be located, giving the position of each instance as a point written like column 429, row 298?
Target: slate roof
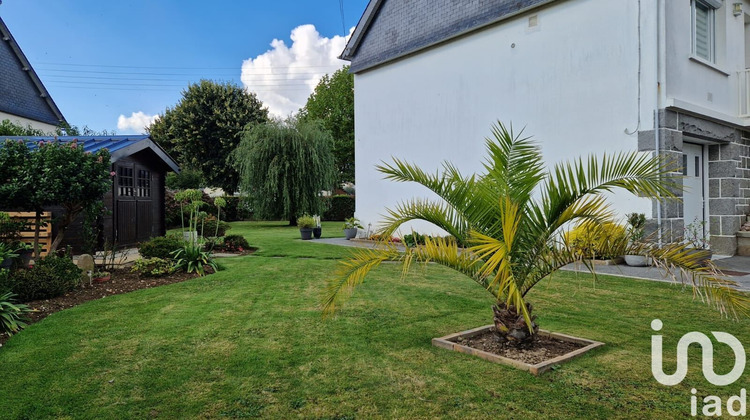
column 118, row 146
column 391, row 29
column 21, row 91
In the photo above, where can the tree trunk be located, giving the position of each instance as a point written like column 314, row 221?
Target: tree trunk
column 70, row 215
column 511, row 326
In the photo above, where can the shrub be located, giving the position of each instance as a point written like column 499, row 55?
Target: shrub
column 12, row 315
column 235, row 243
column 192, row 258
column 210, row 225
column 50, row 277
column 341, row 208
column 161, row 247
column 153, row 267
column 10, row 229
column 237, row 209
column 5, row 284
column 413, row 239
column 187, row 178
column 305, row 222
column 172, row 214
column 600, row 242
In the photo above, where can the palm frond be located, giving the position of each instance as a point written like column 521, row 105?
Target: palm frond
column 687, row 266
column 352, row 273
column 441, row 215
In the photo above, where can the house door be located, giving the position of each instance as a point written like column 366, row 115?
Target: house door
column 694, row 194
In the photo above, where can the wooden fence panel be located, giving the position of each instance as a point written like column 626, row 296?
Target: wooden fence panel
column 45, row 231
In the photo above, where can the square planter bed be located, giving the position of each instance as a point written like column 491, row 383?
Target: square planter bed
column 578, row 346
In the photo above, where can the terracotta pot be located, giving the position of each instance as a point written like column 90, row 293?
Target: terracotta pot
column 102, row 279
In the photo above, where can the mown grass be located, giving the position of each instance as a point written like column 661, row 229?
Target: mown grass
column 249, row 342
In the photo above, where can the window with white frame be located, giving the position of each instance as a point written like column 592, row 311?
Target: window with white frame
column 704, row 28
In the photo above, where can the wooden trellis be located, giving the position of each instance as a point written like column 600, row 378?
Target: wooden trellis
column 45, row 231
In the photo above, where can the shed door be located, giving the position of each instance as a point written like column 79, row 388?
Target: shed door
column 126, row 222
column 134, row 203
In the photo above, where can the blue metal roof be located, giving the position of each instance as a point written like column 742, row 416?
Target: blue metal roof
column 118, row 146
column 90, row 143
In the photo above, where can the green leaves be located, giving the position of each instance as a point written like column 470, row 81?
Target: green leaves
column 332, row 103
column 514, row 215
column 12, row 315
column 205, row 126
column 283, row 168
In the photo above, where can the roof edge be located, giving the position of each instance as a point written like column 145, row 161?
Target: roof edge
column 364, row 23
column 373, row 64
column 8, row 37
column 147, row 143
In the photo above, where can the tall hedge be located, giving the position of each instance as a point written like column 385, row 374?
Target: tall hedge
column 341, row 208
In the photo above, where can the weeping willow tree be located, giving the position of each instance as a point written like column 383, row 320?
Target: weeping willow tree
column 514, row 217
column 284, row 166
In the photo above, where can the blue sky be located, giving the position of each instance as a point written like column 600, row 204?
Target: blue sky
column 122, row 62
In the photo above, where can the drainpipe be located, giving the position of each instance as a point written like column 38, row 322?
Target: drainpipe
column 660, row 22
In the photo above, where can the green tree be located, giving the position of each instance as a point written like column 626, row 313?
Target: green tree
column 205, row 126
column 7, row 128
column 332, row 102
column 283, row 166
column 514, row 217
column 53, row 173
column 187, row 178
column 65, row 129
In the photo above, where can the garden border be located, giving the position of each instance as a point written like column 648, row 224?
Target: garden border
column 448, row 342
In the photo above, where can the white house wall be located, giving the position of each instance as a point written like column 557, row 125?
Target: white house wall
column 572, row 82
column 15, row 119
column 693, row 83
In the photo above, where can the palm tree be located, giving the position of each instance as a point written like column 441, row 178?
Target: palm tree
column 513, row 218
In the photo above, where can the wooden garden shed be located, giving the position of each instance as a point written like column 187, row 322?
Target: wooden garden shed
column 135, row 203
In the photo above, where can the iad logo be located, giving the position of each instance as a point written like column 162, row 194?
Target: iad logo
column 708, row 357
column 712, row 404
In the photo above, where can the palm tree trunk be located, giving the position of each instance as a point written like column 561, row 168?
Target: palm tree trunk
column 511, row 326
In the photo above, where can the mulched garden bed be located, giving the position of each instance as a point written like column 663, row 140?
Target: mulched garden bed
column 543, row 348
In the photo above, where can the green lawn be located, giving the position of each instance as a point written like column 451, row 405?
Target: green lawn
column 250, row 342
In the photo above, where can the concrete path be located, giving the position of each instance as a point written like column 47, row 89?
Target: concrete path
column 737, row 268
column 355, row 243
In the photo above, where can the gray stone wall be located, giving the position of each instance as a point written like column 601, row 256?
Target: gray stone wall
column 728, row 192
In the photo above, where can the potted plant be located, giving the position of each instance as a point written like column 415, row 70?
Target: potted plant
column 306, row 224
column 699, row 239
column 6, row 255
column 318, row 229
column 101, row 276
column 25, row 251
column 350, row 227
column 637, row 222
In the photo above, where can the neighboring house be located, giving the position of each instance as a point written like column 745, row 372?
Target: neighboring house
column 582, row 76
column 135, row 203
column 23, row 98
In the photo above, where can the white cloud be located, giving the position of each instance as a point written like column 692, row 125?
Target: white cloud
column 283, row 77
column 136, row 122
